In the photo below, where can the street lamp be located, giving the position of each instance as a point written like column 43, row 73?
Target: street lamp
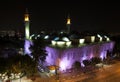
column 56, row 72
column 20, row 76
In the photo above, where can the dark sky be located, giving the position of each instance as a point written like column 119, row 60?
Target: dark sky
column 87, row 15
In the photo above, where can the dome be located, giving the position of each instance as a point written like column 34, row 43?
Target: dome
column 74, row 36
column 61, row 41
column 66, row 39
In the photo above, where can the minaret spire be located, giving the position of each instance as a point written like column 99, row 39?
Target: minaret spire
column 28, row 42
column 27, row 25
column 68, row 23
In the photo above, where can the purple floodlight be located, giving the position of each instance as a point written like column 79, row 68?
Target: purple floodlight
column 68, row 56
column 27, row 45
column 65, row 64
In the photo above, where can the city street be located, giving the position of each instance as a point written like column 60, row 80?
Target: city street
column 109, row 73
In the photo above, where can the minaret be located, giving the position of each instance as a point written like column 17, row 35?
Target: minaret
column 28, row 42
column 27, row 25
column 68, row 24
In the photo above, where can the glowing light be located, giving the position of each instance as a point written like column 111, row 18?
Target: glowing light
column 65, row 39
column 68, row 43
column 68, row 21
column 26, row 17
column 52, row 67
column 105, row 36
column 100, row 39
column 60, row 43
column 91, row 55
column 81, row 41
column 38, row 35
column 32, row 36
column 108, row 39
column 46, row 37
column 92, row 38
column 27, row 45
column 57, row 38
column 98, row 35
column 64, row 64
column 102, row 55
column 84, row 57
column 53, row 42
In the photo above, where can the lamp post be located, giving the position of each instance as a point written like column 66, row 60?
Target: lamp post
column 20, row 79
column 57, row 74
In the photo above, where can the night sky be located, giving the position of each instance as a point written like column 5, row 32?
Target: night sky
column 85, row 16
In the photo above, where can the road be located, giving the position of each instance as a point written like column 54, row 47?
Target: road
column 110, row 73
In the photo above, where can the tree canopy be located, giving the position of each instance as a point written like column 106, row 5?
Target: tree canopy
column 17, row 65
column 38, row 50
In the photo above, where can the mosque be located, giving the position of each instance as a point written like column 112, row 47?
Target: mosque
column 65, row 48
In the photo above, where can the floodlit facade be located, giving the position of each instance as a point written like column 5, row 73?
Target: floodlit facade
column 63, row 56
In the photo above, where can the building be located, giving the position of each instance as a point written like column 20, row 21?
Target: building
column 65, row 48
column 63, row 52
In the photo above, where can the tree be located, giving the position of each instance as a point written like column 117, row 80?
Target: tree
column 22, row 65
column 10, row 66
column 28, row 66
column 95, row 60
column 38, row 50
column 86, row 62
column 3, row 65
column 77, row 65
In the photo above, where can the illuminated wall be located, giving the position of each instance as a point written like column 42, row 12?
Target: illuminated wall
column 67, row 57
column 27, row 45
